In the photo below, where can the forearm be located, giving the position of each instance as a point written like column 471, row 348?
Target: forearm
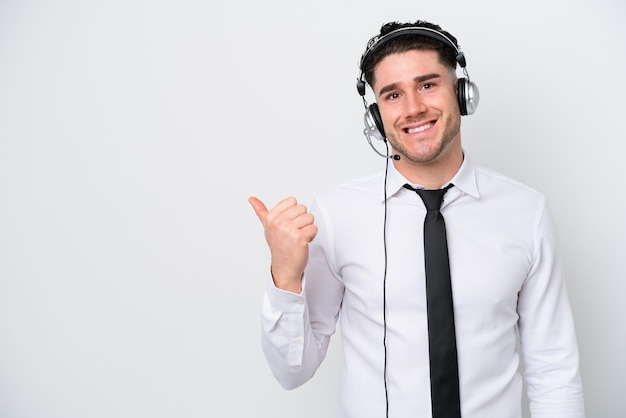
column 292, row 348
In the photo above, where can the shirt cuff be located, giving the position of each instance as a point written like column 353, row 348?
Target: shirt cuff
column 283, row 300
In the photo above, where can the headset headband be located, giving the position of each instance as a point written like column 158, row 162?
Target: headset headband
column 374, row 43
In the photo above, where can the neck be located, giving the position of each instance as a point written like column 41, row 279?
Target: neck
column 432, row 174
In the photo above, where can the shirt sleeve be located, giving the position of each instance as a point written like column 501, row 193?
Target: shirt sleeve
column 547, row 334
column 296, row 328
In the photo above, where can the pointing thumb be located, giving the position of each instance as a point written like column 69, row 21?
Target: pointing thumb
column 259, row 208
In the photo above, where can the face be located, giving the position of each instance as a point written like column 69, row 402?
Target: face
column 416, row 96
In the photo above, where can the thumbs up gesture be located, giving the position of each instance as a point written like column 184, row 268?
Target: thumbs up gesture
column 289, row 228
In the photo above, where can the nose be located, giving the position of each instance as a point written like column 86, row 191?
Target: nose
column 414, row 105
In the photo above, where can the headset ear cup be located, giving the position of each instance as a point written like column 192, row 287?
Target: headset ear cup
column 472, row 97
column 468, row 96
column 378, row 120
column 461, row 87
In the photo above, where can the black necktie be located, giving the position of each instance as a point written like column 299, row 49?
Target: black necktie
column 444, row 374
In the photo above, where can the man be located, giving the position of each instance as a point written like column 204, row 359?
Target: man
column 360, row 254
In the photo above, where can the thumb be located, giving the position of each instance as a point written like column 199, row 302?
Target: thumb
column 259, row 208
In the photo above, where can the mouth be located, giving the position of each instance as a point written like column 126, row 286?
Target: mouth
column 418, row 129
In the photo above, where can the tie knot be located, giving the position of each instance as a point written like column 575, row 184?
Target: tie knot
column 432, row 198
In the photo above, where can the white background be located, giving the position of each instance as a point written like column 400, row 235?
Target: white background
column 132, row 133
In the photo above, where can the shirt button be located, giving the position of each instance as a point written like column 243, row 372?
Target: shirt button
column 298, row 340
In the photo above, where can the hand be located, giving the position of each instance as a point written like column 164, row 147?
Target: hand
column 288, row 229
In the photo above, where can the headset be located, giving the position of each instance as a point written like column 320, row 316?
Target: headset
column 467, row 92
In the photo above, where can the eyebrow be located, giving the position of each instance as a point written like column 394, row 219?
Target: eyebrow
column 417, row 80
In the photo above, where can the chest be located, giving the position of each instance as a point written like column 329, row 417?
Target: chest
column 490, row 256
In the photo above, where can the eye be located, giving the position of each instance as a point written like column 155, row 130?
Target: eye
column 392, row 96
column 428, row 86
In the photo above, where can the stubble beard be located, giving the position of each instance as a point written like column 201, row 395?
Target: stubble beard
column 429, row 151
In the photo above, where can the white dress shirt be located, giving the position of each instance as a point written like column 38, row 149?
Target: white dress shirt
column 506, row 282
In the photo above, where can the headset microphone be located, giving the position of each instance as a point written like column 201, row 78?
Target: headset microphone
column 368, row 134
column 373, row 130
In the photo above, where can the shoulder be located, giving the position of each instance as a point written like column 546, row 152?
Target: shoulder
column 352, row 200
column 362, row 187
column 490, row 182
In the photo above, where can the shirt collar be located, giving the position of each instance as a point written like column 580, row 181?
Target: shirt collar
column 464, row 180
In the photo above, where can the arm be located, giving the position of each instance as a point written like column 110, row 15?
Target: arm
column 297, row 320
column 547, row 334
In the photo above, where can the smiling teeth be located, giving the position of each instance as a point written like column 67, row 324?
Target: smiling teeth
column 419, row 128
